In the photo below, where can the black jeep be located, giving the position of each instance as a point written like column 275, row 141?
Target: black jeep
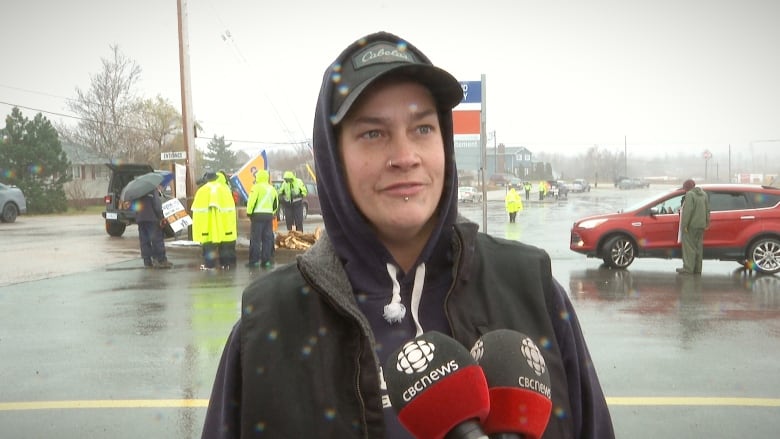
column 118, row 214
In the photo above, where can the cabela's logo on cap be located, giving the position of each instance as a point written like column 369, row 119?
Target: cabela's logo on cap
column 381, row 53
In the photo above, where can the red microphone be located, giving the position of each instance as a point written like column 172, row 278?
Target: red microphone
column 437, row 388
column 518, row 384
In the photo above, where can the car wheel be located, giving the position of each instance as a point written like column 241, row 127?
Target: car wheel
column 618, row 252
column 115, row 228
column 765, row 255
column 10, row 212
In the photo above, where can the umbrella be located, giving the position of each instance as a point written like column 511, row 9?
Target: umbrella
column 143, row 184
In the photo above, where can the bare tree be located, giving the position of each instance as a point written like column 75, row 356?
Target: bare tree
column 109, row 109
column 161, row 123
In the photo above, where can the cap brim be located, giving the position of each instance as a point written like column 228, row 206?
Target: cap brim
column 445, row 89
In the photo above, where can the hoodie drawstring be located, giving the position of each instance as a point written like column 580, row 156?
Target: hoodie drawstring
column 395, row 311
column 419, row 280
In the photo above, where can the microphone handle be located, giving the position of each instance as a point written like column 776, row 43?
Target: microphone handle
column 470, row 429
column 507, row 436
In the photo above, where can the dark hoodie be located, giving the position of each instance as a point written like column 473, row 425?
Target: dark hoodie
column 365, row 258
column 371, row 269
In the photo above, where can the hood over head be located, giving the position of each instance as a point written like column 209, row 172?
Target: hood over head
column 207, row 177
column 374, row 56
column 262, row 176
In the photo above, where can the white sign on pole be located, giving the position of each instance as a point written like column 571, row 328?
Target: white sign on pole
column 173, row 155
column 181, row 180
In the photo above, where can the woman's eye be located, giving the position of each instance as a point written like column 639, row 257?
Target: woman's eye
column 373, row 134
column 425, row 129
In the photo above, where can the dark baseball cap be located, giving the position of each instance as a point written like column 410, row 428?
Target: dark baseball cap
column 378, row 55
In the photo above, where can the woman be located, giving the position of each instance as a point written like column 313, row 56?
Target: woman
column 395, row 261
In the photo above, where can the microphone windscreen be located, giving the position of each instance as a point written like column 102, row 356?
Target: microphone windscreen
column 434, row 384
column 518, row 383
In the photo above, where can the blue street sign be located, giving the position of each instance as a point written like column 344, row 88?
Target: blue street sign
column 472, row 92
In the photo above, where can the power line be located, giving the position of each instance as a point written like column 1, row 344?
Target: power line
column 263, row 142
column 72, row 117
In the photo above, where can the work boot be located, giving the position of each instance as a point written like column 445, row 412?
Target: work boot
column 162, row 264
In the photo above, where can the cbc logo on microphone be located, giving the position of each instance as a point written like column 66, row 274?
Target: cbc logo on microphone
column 533, row 357
column 415, row 356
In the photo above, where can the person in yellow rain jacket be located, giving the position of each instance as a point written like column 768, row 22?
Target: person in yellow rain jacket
column 542, row 190
column 214, row 222
column 513, row 204
column 261, row 208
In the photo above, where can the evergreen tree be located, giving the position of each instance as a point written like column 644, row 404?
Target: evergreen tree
column 31, row 157
column 219, row 157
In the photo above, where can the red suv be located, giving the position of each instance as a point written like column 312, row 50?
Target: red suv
column 744, row 227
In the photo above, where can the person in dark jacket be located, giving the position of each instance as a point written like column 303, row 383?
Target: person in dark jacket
column 694, row 220
column 148, row 216
column 396, row 260
column 292, row 191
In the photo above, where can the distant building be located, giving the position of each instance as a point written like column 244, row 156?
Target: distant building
column 501, row 159
column 90, row 173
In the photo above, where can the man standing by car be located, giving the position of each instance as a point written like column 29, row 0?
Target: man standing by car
column 291, row 194
column 148, row 214
column 694, row 219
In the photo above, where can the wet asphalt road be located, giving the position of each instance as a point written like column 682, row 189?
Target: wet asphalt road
column 93, row 345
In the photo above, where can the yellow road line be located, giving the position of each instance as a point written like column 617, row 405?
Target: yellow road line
column 104, row 404
column 693, row 401
column 197, row 403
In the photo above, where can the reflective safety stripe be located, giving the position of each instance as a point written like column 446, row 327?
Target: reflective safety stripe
column 265, row 205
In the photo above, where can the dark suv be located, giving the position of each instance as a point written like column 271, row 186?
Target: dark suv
column 119, row 216
column 744, row 227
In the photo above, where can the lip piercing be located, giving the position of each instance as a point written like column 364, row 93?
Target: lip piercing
column 389, row 163
column 406, row 198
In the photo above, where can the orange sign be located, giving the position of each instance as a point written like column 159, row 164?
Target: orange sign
column 466, row 121
column 244, row 178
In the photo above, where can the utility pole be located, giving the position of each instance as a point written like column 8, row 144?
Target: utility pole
column 625, row 154
column 495, row 154
column 483, row 148
column 187, row 121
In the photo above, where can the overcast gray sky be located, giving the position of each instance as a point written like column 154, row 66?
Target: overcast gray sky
column 669, row 75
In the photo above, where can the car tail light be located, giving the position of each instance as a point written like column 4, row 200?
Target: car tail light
column 107, row 199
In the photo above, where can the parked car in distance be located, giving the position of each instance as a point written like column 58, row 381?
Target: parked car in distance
column 515, row 183
column 744, row 227
column 579, row 185
column 500, row 179
column 12, row 203
column 469, row 194
column 633, row 183
column 118, row 214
